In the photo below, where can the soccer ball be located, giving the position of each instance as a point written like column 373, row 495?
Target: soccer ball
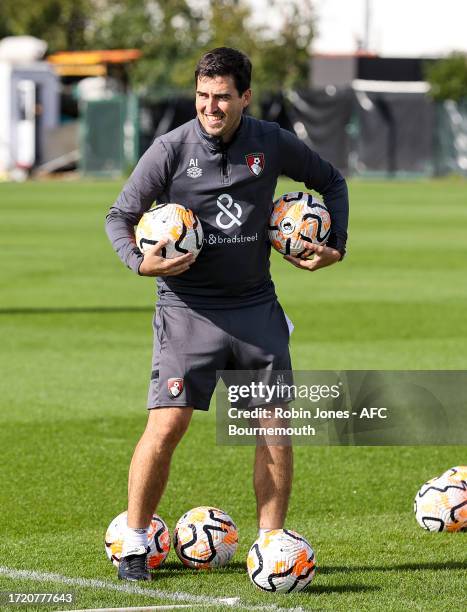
column 459, row 473
column 282, row 561
column 175, row 222
column 298, row 219
column 158, row 540
column 441, row 503
column 205, row 537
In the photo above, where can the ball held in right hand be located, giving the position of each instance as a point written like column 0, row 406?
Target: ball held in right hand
column 174, row 222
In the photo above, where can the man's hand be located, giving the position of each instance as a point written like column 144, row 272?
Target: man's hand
column 322, row 256
column 155, row 265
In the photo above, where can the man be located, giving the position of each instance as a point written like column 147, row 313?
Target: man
column 212, row 313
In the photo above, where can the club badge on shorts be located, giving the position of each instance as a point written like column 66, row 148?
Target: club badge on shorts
column 255, row 163
column 175, row 387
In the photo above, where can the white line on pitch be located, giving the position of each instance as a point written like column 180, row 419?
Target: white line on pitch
column 133, row 589
column 111, row 586
column 138, row 608
column 178, row 606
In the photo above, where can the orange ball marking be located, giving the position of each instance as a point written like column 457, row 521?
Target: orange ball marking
column 302, row 565
column 231, row 536
column 188, row 218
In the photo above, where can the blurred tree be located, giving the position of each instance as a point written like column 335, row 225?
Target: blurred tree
column 166, row 31
column 448, row 77
column 4, row 25
column 280, row 55
column 283, row 60
column 227, row 24
column 172, row 35
column 61, row 23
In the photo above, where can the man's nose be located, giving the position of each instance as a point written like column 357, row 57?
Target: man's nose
column 211, row 105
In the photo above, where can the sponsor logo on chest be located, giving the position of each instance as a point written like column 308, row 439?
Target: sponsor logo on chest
column 229, row 217
column 230, row 212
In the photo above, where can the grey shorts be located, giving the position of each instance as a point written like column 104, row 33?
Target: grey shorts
column 190, row 346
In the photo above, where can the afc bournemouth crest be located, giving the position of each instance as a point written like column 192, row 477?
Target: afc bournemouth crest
column 175, row 387
column 255, row 163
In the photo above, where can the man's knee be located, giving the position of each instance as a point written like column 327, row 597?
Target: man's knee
column 168, row 425
column 275, row 454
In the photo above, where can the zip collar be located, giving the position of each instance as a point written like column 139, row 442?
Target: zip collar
column 215, row 143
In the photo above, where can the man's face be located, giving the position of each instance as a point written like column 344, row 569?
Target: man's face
column 219, row 105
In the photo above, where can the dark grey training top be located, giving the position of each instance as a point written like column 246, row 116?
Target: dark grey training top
column 231, row 188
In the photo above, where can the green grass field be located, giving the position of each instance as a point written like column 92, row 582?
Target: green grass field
column 75, row 360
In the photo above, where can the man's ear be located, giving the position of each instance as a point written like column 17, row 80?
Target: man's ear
column 246, row 97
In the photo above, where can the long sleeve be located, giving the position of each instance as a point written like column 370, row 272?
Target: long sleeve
column 302, row 164
column 147, row 182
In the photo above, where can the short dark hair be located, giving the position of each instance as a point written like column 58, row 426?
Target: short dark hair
column 224, row 61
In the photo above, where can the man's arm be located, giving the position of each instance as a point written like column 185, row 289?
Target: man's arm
column 145, row 185
column 302, row 164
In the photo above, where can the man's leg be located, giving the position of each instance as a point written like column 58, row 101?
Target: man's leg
column 149, row 469
column 273, row 484
column 149, row 472
column 273, row 474
column 260, row 336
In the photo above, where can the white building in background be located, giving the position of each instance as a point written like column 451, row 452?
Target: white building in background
column 29, row 102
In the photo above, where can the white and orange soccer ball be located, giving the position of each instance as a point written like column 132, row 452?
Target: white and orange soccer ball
column 158, row 540
column 173, row 221
column 298, row 219
column 205, row 537
column 441, row 503
column 281, row 561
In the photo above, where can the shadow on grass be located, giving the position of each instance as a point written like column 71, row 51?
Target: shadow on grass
column 76, row 310
column 318, row 589
column 172, row 568
column 449, row 565
column 239, row 567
